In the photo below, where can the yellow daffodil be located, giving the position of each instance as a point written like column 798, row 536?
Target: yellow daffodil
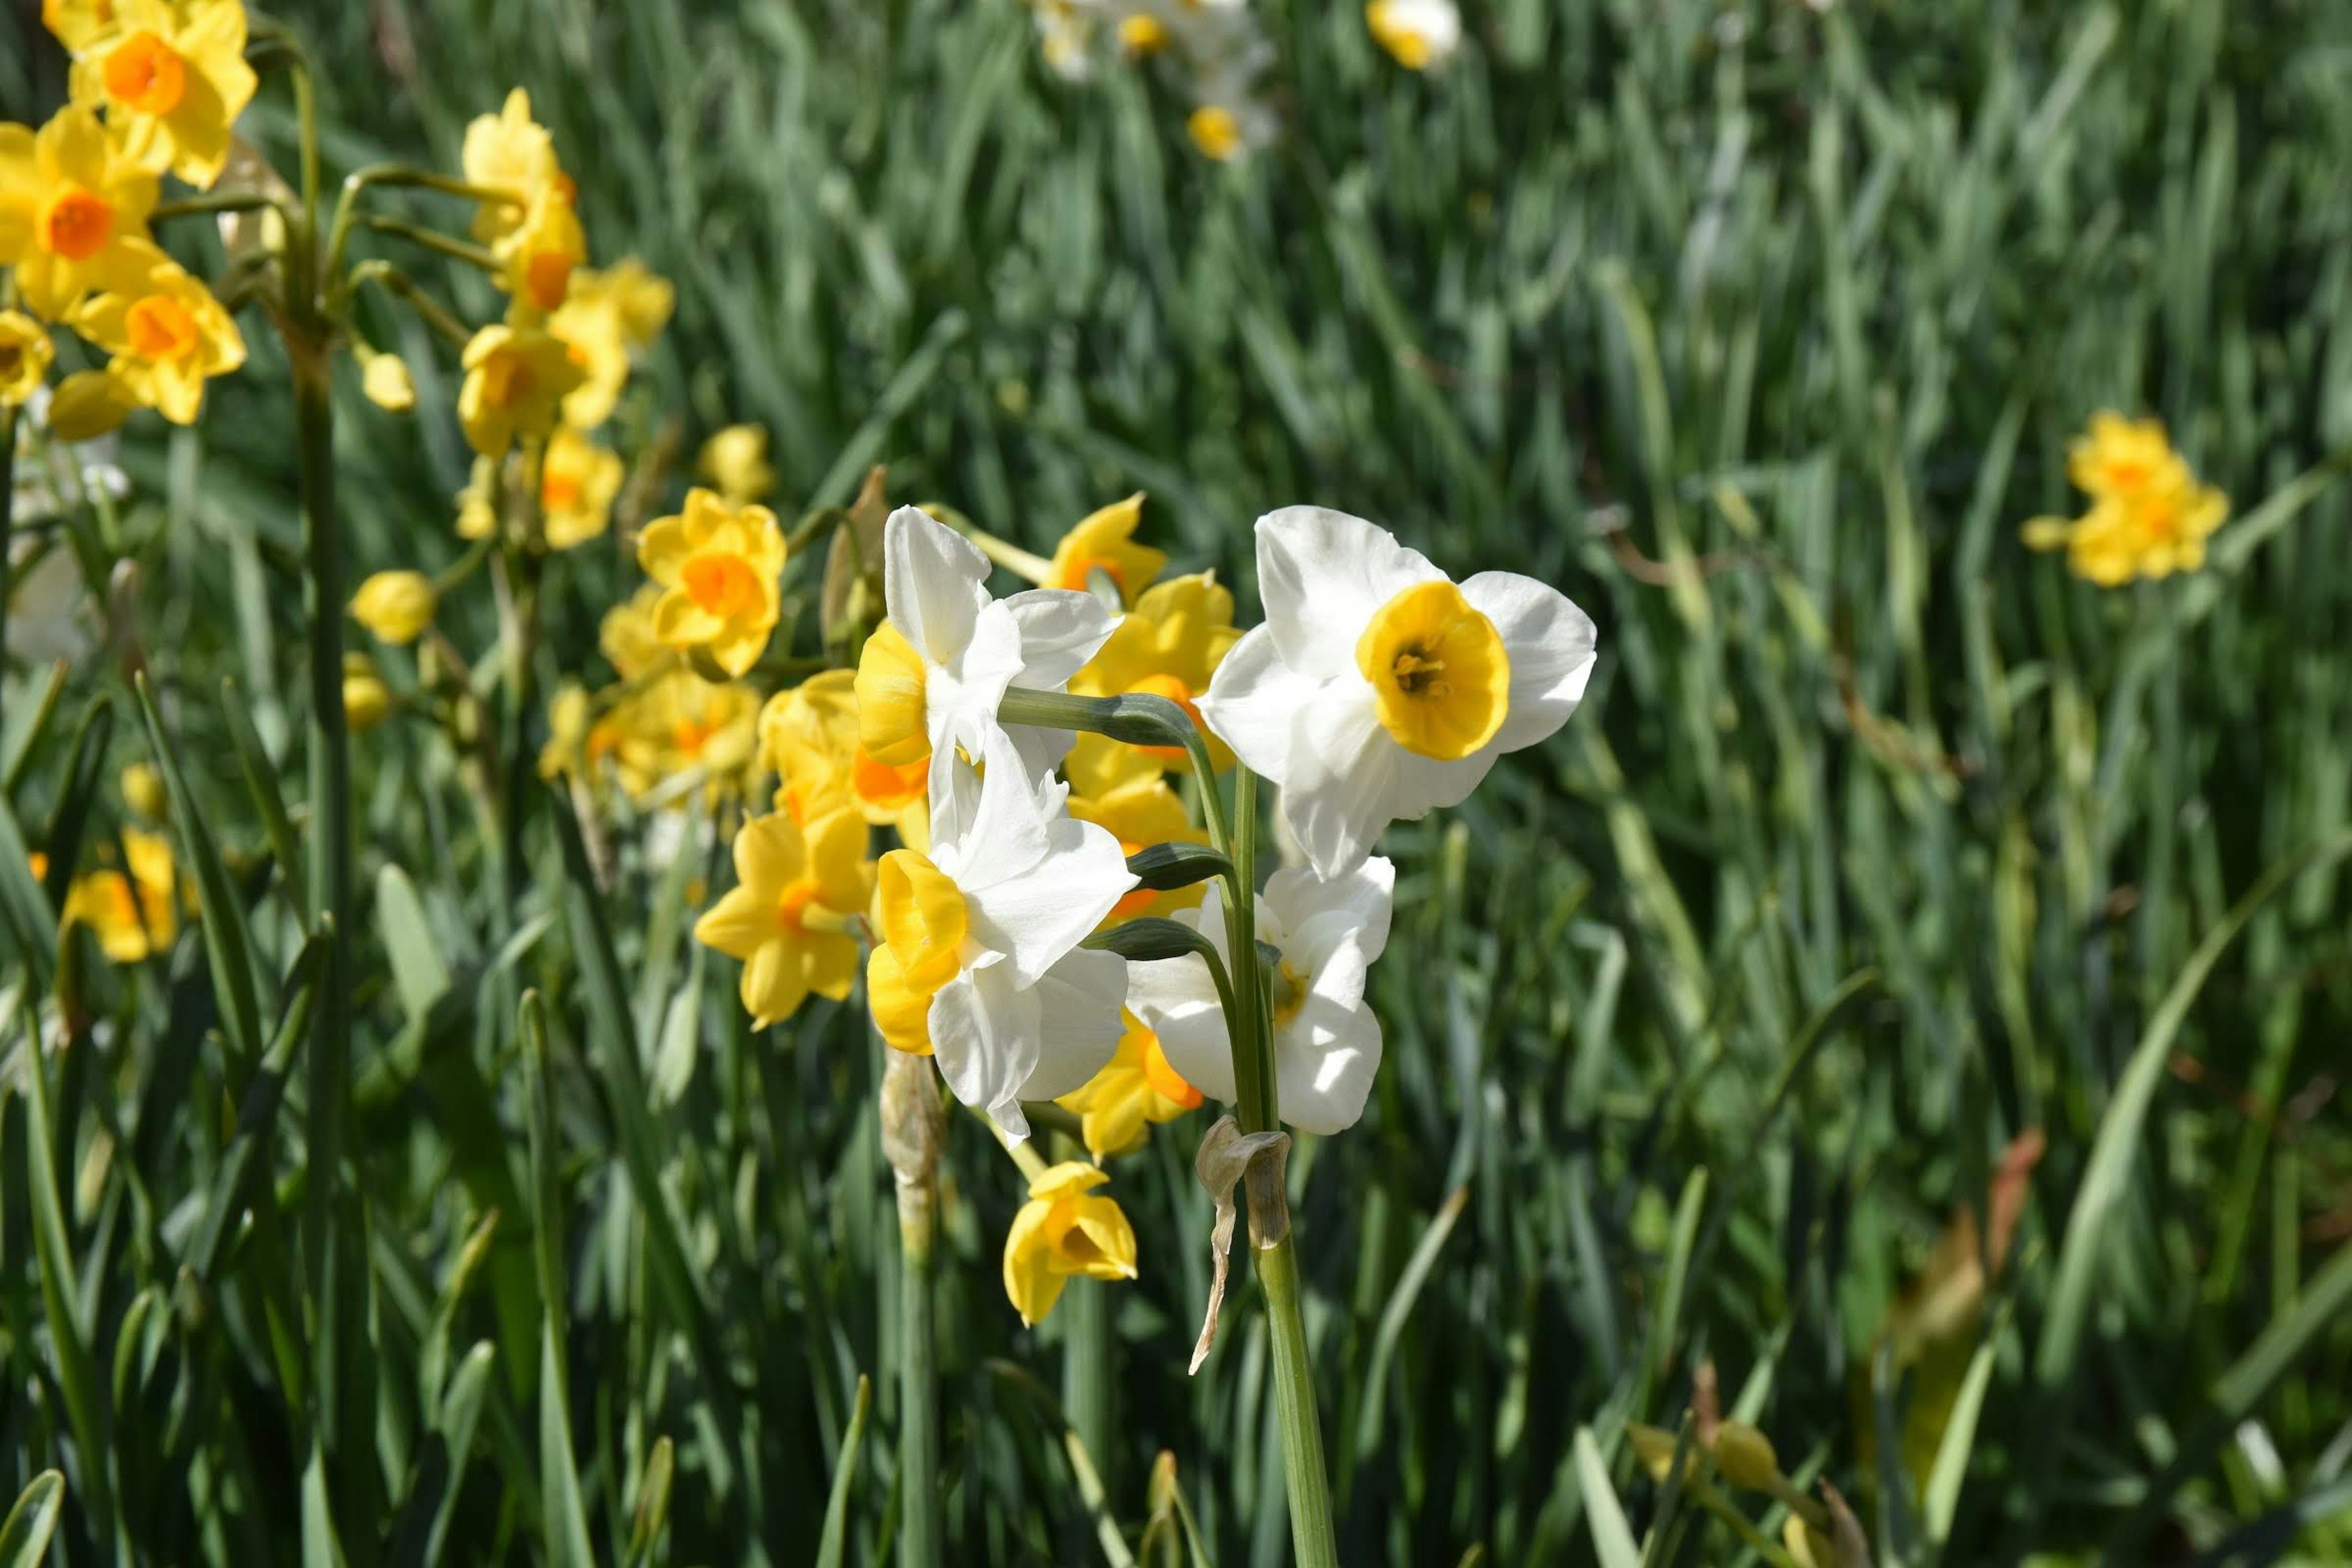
column 167, row 334
column 736, row 460
column 172, row 80
column 384, row 379
column 788, row 917
column 25, row 354
column 537, row 255
column 511, row 152
column 82, row 24
column 1138, row 812
column 1104, row 541
column 1140, row 1086
column 720, row 565
column 394, row 606
column 1169, row 645
column 143, row 791
column 2149, row 515
column 680, row 724
column 606, row 315
column 577, row 740
column 89, row 403
column 132, row 915
column 367, row 701
column 1418, row 34
column 1065, row 1229
column 808, row 739
column 69, row 198
column 626, row 637
column 577, row 482
column 516, row 377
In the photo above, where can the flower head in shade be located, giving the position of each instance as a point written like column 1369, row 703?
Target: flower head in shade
column 1168, row 644
column 25, row 354
column 788, row 917
column 932, row 674
column 717, row 565
column 980, row 963
column 1378, row 687
column 1327, row 1042
column 1065, row 1229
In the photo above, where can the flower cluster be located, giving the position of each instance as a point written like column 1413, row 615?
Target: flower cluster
column 2149, row 516
column 156, row 87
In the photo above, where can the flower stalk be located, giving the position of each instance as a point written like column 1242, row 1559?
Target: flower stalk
column 914, row 1129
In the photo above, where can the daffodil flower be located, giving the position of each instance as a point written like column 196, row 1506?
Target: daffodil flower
column 512, row 152
column 1377, row 689
column 134, row 915
column 578, row 481
column 25, row 354
column 605, row 316
column 69, row 198
column 1327, row 1042
column 172, row 79
column 932, row 674
column 736, row 460
column 1141, row 811
column 1168, row 644
column 1103, row 543
column 516, row 381
column 719, row 566
column 1064, row 1230
column 788, row 916
column 808, row 739
column 1137, row 1088
column 978, row 963
column 167, row 334
column 1418, row 34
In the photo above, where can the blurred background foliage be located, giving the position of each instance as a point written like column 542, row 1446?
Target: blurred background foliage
column 1882, row 857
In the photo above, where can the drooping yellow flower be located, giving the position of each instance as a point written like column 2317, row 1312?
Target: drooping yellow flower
column 720, row 565
column 1065, row 1229
column 2149, row 515
column 512, row 152
column 788, row 917
column 395, row 606
column 367, row 701
column 81, row 25
column 131, row 915
column 89, row 403
column 577, row 481
column 1169, row 645
column 1104, row 541
column 679, row 724
column 172, row 80
column 1140, row 1086
column 626, row 637
column 605, row 315
column 25, row 354
column 69, row 198
column 538, row 255
column 808, row 739
column 516, row 377
column 736, row 460
column 384, row 378
column 167, row 334
column 1141, row 811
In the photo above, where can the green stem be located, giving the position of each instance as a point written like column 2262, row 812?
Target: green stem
column 347, row 206
column 1086, row 1378
column 1313, row 1542
column 403, row 288
column 919, row 1544
column 433, row 240
column 8, row 528
column 220, row 202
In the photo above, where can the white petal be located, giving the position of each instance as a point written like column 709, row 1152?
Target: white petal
column 1551, row 644
column 961, row 696
column 1036, row 917
column 1060, row 630
column 991, row 827
column 1254, row 702
column 1322, row 916
column 1320, row 576
column 931, row 582
column 1078, row 1023
column 1342, row 780
column 1178, row 1001
column 1325, row 1064
column 1040, row 751
column 984, row 1037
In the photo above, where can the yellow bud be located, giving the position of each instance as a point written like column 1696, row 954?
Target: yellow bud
column 1654, row 1447
column 142, row 791
column 89, row 403
column 1745, row 1457
column 395, row 606
column 366, row 700
column 384, row 378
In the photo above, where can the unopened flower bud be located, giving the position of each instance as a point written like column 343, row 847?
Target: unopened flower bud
column 395, row 606
column 1745, row 1457
column 142, row 791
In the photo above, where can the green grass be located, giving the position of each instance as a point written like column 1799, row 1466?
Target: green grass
column 1878, row 842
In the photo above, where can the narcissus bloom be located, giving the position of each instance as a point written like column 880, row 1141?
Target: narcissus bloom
column 979, row 962
column 808, row 738
column 69, row 198
column 1169, row 645
column 515, row 378
column 1139, row 1087
column 511, row 152
column 167, row 334
column 395, row 606
column 537, row 255
column 736, row 460
column 1417, row 33
column 132, row 915
column 932, row 674
column 25, row 354
column 172, row 79
column 605, row 317
column 81, row 25
column 1327, row 1043
column 1378, row 687
column 679, row 723
column 577, row 482
column 788, row 919
column 1064, row 1230
column 2149, row 515
column 718, row 566
column 1103, row 543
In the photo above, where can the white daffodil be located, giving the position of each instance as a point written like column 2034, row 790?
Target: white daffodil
column 1377, row 689
column 1327, row 1043
column 979, row 962
column 1420, row 34
column 932, row 674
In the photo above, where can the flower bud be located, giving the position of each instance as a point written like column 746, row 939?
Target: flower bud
column 142, row 791
column 1745, row 1457
column 386, row 379
column 89, row 403
column 395, row 606
column 366, row 700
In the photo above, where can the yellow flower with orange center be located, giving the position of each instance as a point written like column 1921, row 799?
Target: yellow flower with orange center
column 167, row 334
column 132, row 915
column 578, row 481
column 81, row 25
column 25, row 354
column 172, row 79
column 1169, row 645
column 1064, row 1230
column 720, row 565
column 512, row 153
column 1138, row 1088
column 808, row 739
column 681, row 724
column 2149, row 515
column 515, row 378
column 1103, row 544
column 625, row 635
column 71, row 197
column 538, row 255
column 789, row 918
column 605, row 317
